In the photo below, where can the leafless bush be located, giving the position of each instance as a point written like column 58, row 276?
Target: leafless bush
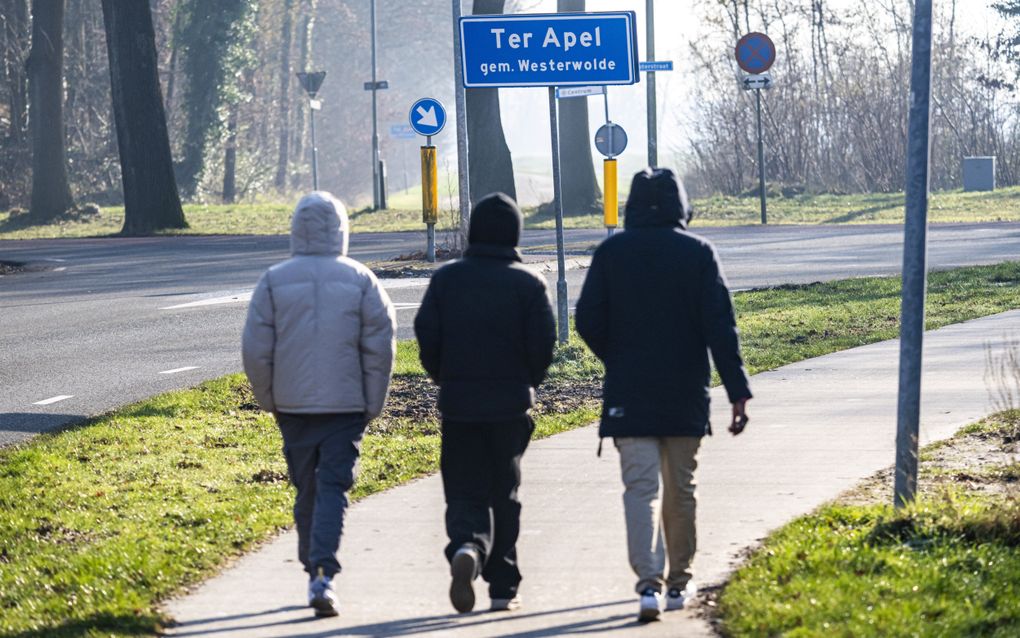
column 1002, row 374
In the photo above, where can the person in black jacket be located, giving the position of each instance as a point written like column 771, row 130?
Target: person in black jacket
column 486, row 333
column 654, row 302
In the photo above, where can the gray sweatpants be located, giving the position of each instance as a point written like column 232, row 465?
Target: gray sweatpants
column 322, row 452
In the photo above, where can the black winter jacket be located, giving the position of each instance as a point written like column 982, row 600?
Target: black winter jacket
column 486, row 333
column 654, row 302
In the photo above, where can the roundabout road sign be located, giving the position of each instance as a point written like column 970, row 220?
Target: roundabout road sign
column 755, row 53
column 427, row 117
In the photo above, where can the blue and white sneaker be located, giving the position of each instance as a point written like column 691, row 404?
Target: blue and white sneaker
column 677, row 598
column 322, row 597
column 651, row 605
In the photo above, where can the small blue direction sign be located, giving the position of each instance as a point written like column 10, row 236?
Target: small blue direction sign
column 428, row 116
column 755, row 53
column 657, row 65
column 562, row 49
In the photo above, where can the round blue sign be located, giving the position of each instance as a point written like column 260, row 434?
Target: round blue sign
column 428, row 116
column 755, row 53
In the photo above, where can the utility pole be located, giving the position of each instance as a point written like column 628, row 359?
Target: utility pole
column 653, row 112
column 464, row 185
column 915, row 270
column 376, row 191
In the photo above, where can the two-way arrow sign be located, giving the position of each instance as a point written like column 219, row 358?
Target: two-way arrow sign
column 757, row 82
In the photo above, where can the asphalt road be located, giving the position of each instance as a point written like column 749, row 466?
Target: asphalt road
column 112, row 321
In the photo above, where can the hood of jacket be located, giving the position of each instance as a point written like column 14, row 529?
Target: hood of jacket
column 319, row 226
column 496, row 221
column 657, row 200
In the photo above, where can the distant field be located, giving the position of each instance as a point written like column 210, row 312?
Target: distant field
column 273, row 218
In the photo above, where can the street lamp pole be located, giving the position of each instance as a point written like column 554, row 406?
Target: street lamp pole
column 376, row 193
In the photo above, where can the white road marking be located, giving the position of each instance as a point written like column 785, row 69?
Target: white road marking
column 176, row 370
column 55, row 399
column 418, row 282
column 407, row 306
column 214, row 301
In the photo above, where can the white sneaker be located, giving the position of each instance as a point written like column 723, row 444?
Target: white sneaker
column 651, row 605
column 322, row 596
column 464, row 570
column 506, row 604
column 678, row 598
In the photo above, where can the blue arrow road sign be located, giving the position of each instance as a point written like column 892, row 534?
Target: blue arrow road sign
column 566, row 49
column 428, row 116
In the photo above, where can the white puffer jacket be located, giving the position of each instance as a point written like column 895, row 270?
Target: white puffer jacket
column 320, row 332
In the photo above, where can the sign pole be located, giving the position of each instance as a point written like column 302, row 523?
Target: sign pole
column 761, row 160
column 315, row 154
column 653, row 115
column 610, row 198
column 914, row 259
column 464, row 184
column 375, row 130
column 561, row 265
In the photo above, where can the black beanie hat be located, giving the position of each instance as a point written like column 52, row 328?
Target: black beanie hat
column 496, row 220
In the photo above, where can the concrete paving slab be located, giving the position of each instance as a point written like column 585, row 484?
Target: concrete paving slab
column 817, row 427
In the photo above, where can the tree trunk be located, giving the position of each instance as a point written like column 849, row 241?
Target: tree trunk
column 230, row 158
column 282, row 159
column 16, row 37
column 491, row 169
column 581, row 192
column 51, row 194
column 151, row 201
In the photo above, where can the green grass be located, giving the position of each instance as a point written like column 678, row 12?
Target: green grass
column 947, row 566
column 274, row 218
column 99, row 523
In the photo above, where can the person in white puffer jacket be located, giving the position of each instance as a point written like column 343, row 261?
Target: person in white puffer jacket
column 318, row 348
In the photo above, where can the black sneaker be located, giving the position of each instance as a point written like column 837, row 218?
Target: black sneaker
column 464, row 570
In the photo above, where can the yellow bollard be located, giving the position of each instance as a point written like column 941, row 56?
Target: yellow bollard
column 429, row 186
column 429, row 199
column 612, row 199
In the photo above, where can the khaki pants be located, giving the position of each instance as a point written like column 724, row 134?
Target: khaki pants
column 652, row 507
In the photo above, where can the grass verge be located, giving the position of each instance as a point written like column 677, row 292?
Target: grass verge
column 274, row 218
column 947, row 566
column 99, row 523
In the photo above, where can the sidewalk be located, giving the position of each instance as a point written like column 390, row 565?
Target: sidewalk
column 817, row 427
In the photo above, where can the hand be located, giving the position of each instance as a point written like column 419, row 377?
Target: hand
column 740, row 417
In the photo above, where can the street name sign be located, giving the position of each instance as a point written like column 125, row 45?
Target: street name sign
column 427, row 117
column 579, row 91
column 755, row 53
column 753, row 82
column 402, row 132
column 377, row 86
column 563, row 49
column 657, row 65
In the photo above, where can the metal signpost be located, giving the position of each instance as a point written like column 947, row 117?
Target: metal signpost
column 550, row 50
column 463, row 161
column 914, row 258
column 376, row 85
column 653, row 109
column 756, row 54
column 311, row 83
column 611, row 141
column 427, row 118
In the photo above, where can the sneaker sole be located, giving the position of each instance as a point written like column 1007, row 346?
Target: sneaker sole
column 323, row 608
column 462, row 593
column 649, row 614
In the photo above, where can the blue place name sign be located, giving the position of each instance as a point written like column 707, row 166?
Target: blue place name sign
column 564, row 49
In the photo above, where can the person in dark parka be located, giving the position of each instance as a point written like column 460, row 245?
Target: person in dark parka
column 486, row 333
column 654, row 302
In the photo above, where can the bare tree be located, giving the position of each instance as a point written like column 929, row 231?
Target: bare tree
column 151, row 200
column 491, row 168
column 51, row 193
